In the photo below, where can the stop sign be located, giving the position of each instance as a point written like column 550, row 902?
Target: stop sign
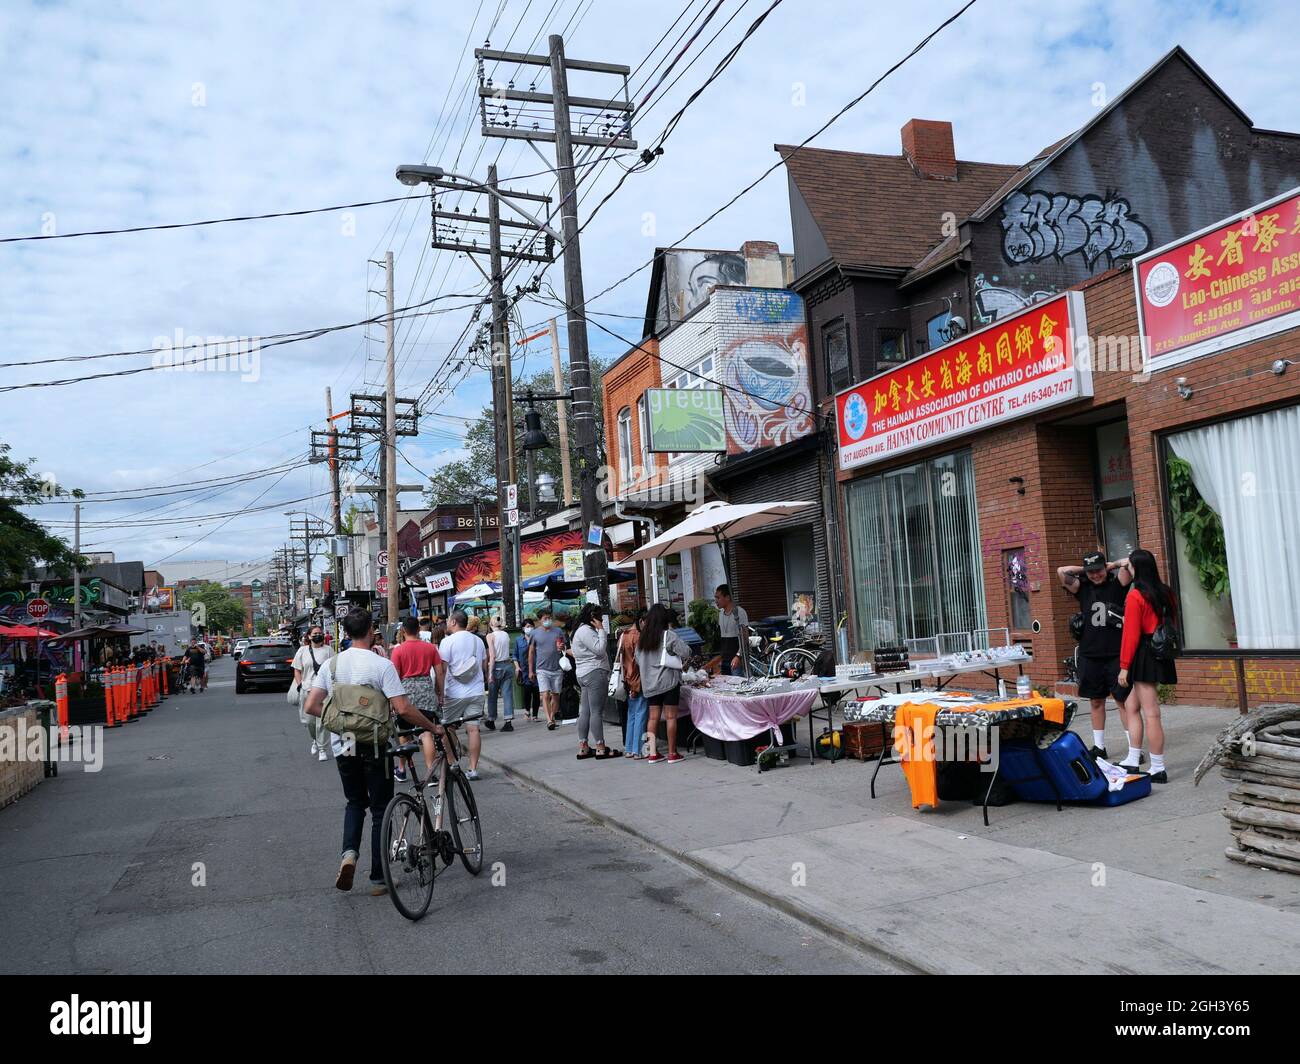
column 38, row 609
column 382, row 585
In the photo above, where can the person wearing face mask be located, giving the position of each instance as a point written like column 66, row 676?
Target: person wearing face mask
column 526, row 684
column 591, row 663
column 307, row 662
column 545, row 646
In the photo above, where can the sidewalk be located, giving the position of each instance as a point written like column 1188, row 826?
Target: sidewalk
column 1138, row 888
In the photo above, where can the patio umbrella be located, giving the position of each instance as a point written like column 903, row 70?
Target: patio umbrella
column 712, row 523
column 479, row 591
column 23, row 631
column 553, row 583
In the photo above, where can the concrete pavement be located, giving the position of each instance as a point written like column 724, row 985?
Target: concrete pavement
column 1138, row 888
column 208, row 844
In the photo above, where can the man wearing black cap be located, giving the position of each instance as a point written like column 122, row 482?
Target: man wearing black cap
column 1100, row 587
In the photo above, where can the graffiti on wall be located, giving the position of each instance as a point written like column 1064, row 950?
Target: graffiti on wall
column 1051, row 225
column 768, row 398
column 769, row 307
column 994, row 300
column 691, row 275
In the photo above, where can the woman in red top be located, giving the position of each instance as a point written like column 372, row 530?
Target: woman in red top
column 418, row 663
column 1149, row 601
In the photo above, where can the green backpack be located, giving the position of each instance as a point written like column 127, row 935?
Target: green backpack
column 356, row 710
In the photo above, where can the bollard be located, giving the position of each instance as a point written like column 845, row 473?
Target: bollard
column 61, row 700
column 121, row 694
column 166, row 665
column 109, row 720
column 133, row 689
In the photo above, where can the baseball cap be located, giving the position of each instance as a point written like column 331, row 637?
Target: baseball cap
column 1094, row 562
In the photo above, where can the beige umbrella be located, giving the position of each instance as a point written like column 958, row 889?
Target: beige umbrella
column 712, row 523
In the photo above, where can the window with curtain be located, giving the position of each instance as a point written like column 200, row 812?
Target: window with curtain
column 914, row 551
column 1247, row 472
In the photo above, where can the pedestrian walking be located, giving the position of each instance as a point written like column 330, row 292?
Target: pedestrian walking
column 378, row 645
column 465, row 682
column 355, row 674
column 526, row 683
column 591, row 663
column 418, row 664
column 1148, row 606
column 544, row 649
column 196, row 663
column 1101, row 588
column 307, row 663
column 634, row 736
column 501, row 671
column 661, row 655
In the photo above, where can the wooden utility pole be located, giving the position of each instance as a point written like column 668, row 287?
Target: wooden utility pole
column 390, row 450
column 504, row 427
column 613, row 134
column 562, row 416
column 76, row 569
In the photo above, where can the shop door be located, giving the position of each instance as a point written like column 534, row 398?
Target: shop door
column 1116, row 516
column 800, row 574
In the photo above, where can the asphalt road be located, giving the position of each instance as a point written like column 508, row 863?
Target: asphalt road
column 208, row 843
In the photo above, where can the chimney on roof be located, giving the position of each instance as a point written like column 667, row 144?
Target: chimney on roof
column 928, row 147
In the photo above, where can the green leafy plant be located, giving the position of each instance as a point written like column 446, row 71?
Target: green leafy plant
column 1167, row 693
column 702, row 615
column 1201, row 528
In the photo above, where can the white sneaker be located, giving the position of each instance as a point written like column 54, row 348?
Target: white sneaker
column 322, row 756
column 471, row 774
column 315, row 749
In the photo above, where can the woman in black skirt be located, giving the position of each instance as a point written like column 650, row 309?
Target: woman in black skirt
column 1149, row 602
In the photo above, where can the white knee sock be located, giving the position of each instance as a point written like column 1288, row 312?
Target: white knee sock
column 1134, row 754
column 1099, row 739
column 1157, row 763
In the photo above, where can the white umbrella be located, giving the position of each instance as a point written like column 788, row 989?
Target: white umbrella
column 477, row 591
column 712, row 523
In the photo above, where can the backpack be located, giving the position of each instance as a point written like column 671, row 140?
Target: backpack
column 1166, row 640
column 356, row 710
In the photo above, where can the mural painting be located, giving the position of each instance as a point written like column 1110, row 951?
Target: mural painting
column 692, row 274
column 1051, row 225
column 539, row 555
column 994, row 301
column 768, row 398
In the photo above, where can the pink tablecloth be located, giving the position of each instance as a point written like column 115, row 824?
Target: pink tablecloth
column 731, row 717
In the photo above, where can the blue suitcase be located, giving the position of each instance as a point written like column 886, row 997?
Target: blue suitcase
column 1067, row 764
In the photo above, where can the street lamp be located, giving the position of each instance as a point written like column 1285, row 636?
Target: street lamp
column 412, row 175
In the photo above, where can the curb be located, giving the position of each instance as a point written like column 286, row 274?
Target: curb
column 830, row 928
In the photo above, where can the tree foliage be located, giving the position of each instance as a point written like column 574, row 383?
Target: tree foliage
column 225, row 612
column 473, row 478
column 24, row 544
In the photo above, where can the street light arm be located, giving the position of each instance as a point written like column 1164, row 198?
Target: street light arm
column 414, row 175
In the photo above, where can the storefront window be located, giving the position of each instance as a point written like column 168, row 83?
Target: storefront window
column 835, row 349
column 914, row 542
column 1237, row 587
column 1117, row 518
column 893, row 345
column 1017, row 578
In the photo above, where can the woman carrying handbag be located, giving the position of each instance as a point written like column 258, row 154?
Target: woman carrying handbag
column 591, row 662
column 660, row 657
column 307, row 662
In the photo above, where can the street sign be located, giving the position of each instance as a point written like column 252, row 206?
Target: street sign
column 594, row 535
column 341, row 609
column 383, row 559
column 381, row 585
column 199, row 614
column 512, row 497
column 38, row 609
column 439, row 583
column 512, row 518
column 256, row 585
column 35, row 587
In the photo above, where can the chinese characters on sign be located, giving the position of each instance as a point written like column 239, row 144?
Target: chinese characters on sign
column 1237, row 281
column 1018, row 366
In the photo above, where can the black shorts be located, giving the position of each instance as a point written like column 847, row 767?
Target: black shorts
column 671, row 697
column 1099, row 678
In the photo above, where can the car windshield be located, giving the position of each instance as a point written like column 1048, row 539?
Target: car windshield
column 269, row 653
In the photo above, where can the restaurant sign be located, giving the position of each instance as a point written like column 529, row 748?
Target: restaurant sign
column 1018, row 366
column 1229, row 284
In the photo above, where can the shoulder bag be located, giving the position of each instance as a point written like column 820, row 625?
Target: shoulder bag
column 617, row 688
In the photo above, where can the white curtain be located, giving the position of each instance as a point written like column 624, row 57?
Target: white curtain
column 1248, row 470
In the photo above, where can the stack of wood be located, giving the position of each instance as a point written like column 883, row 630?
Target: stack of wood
column 1260, row 754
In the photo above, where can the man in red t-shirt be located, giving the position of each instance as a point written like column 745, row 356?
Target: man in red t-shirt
column 421, row 669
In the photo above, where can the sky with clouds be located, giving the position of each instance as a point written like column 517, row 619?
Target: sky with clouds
column 127, row 114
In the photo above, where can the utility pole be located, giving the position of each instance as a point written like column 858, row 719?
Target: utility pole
column 76, row 570
column 457, row 231
column 390, row 451
column 614, row 132
column 562, row 416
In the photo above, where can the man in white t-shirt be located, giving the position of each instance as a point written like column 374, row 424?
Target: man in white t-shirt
column 465, row 682
column 366, row 775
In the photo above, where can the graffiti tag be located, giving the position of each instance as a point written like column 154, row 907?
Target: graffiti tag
column 1042, row 225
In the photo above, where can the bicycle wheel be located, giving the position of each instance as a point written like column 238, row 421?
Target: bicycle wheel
column 797, row 660
column 408, row 856
column 463, row 818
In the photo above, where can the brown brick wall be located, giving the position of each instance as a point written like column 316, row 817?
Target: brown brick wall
column 1054, row 519
column 622, row 386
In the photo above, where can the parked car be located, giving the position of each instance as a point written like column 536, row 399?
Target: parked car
column 240, row 646
column 265, row 665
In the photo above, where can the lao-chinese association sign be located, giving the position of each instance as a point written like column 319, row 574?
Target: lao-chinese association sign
column 1015, row 367
column 1234, row 282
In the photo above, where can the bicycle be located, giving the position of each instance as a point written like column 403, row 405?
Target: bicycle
column 779, row 656
column 414, row 840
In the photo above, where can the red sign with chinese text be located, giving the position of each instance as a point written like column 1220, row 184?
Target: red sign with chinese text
column 1015, row 367
column 1234, row 282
